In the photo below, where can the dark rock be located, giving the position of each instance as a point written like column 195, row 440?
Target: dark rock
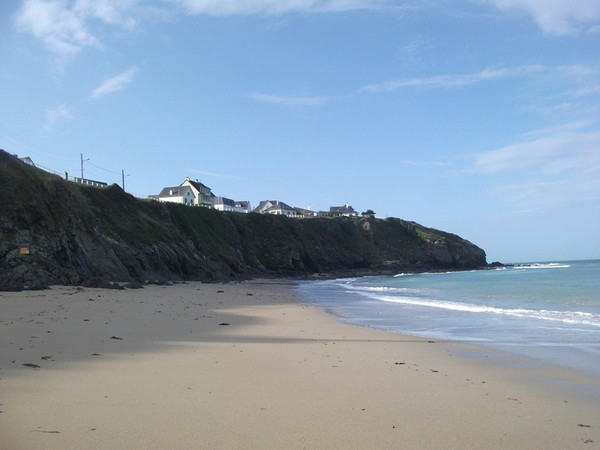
column 496, row 264
column 96, row 282
column 160, row 282
column 36, row 286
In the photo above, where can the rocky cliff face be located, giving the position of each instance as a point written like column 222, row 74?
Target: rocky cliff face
column 76, row 233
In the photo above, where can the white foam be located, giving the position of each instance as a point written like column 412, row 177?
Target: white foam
column 366, row 290
column 570, row 317
column 542, row 266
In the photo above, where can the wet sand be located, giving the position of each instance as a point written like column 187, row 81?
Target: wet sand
column 249, row 366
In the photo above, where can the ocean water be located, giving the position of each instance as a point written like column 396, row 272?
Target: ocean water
column 549, row 311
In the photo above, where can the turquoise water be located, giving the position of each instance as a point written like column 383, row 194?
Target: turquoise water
column 549, row 310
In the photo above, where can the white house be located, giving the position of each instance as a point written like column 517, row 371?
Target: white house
column 203, row 196
column 243, row 206
column 176, row 194
column 346, row 210
column 26, row 160
column 276, row 207
column 226, row 204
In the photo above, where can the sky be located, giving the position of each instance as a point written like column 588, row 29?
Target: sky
column 476, row 117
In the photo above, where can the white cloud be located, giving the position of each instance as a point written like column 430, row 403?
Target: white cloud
column 108, row 11
column 588, row 90
column 457, row 80
column 56, row 114
column 61, row 29
column 115, row 83
column 230, row 7
column 63, row 26
column 558, row 17
column 554, row 171
column 553, row 153
column 288, row 101
column 551, row 197
column 67, row 26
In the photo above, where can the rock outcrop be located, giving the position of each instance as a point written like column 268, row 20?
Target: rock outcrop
column 57, row 232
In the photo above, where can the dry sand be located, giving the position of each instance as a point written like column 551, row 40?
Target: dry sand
column 248, row 366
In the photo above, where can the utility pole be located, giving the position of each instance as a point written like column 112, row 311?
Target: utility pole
column 123, row 178
column 82, row 161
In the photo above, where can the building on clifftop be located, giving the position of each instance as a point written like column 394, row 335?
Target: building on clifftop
column 346, row 211
column 176, row 194
column 227, row 204
column 276, row 207
column 203, row 196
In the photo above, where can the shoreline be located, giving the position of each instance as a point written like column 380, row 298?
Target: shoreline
column 251, row 365
column 458, row 308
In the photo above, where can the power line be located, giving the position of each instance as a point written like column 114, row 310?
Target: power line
column 102, row 168
column 31, row 150
column 122, row 175
column 82, row 161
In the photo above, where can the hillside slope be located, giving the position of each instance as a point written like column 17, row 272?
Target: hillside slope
column 76, row 233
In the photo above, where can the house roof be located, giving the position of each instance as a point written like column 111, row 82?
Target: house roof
column 197, row 184
column 27, row 160
column 223, row 201
column 283, row 206
column 273, row 205
column 346, row 209
column 175, row 191
column 243, row 204
column 263, row 206
column 305, row 211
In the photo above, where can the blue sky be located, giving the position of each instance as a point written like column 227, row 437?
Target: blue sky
column 477, row 117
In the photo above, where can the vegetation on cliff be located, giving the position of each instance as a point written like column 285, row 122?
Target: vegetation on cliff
column 75, row 233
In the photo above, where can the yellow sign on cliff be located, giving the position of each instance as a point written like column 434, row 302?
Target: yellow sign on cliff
column 24, row 250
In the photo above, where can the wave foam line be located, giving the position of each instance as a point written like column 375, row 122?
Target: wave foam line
column 570, row 317
column 366, row 289
column 542, row 266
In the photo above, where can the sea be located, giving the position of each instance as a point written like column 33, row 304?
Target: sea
column 548, row 311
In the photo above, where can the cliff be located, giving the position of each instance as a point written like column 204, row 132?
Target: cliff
column 76, row 233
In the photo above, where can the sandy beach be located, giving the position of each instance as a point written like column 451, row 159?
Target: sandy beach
column 249, row 366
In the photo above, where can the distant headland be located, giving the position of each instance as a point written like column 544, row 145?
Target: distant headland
column 58, row 232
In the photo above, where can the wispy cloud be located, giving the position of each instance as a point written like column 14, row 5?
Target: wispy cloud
column 114, row 12
column 550, row 197
column 424, row 163
column 115, row 83
column 450, row 81
column 558, row 17
column 56, row 114
column 238, row 7
column 592, row 89
column 263, row 177
column 553, row 153
column 61, row 29
column 553, row 169
column 288, row 100
column 217, row 175
column 64, row 29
